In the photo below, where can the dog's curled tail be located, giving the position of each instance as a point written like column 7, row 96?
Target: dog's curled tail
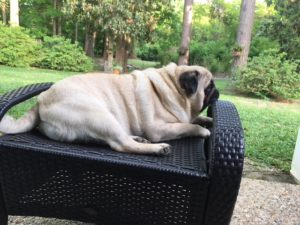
column 9, row 125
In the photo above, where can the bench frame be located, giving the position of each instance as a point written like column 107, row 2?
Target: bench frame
column 225, row 157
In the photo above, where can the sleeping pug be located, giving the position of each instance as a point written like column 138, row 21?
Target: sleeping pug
column 127, row 112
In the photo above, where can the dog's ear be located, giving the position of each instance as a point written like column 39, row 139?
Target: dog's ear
column 188, row 81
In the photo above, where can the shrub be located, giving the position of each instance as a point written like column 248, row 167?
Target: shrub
column 59, row 53
column 215, row 55
column 159, row 53
column 270, row 75
column 148, row 52
column 260, row 44
column 169, row 55
column 17, row 48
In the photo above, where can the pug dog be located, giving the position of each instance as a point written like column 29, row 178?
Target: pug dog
column 132, row 113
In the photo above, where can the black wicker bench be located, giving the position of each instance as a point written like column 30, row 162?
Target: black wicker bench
column 197, row 184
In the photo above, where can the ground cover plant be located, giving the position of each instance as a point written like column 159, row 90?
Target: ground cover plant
column 270, row 127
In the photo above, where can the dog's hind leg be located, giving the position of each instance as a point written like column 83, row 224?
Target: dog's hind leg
column 131, row 146
column 108, row 129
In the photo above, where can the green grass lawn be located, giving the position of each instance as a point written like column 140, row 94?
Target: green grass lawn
column 270, row 127
column 11, row 78
column 141, row 64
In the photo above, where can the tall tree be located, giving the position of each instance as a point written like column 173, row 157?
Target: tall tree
column 14, row 12
column 89, row 13
column 244, row 33
column 57, row 17
column 122, row 21
column 130, row 21
column 108, row 54
column 186, row 32
column 3, row 9
column 54, row 22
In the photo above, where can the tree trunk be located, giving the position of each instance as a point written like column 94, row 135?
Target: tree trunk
column 89, row 44
column 53, row 26
column 3, row 9
column 54, row 22
column 59, row 26
column 132, row 53
column 186, row 33
column 86, row 37
column 59, row 18
column 126, row 50
column 94, row 36
column 76, row 32
column 14, row 13
column 104, row 47
column 122, row 51
column 109, row 57
column 119, row 49
column 244, row 33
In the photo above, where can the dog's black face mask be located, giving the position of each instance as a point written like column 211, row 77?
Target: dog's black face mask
column 211, row 95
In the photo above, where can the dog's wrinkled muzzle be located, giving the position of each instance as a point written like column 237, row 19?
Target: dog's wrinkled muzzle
column 211, row 95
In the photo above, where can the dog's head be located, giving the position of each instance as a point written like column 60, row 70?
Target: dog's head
column 197, row 84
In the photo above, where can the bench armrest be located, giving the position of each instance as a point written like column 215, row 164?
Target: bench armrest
column 227, row 141
column 12, row 98
column 225, row 162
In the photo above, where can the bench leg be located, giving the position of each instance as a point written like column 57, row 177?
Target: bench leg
column 3, row 213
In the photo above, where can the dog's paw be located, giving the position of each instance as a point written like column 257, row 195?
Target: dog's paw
column 205, row 133
column 140, row 139
column 164, row 149
column 202, row 132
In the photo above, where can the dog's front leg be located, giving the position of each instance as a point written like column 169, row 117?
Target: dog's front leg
column 170, row 131
column 203, row 121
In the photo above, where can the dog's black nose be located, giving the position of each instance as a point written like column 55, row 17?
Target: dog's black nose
column 211, row 95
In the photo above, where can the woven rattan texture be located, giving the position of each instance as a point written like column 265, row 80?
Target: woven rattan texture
column 88, row 190
column 225, row 162
column 14, row 97
column 187, row 155
column 94, row 184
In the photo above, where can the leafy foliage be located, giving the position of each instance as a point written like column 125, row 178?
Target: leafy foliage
column 36, row 14
column 214, row 30
column 163, row 43
column 260, row 44
column 270, row 75
column 284, row 26
column 130, row 17
column 17, row 48
column 59, row 53
column 215, row 55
